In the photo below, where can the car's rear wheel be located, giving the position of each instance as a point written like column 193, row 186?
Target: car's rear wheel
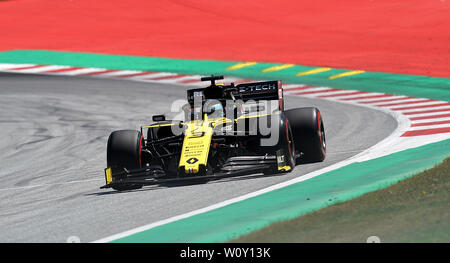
column 288, row 144
column 124, row 151
column 308, row 132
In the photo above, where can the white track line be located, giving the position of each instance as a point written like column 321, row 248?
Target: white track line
column 393, row 143
column 380, row 149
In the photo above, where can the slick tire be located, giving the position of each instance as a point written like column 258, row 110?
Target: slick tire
column 124, row 151
column 309, row 133
column 286, row 144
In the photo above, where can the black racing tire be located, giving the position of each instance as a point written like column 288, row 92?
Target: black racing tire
column 124, row 151
column 309, row 133
column 286, row 143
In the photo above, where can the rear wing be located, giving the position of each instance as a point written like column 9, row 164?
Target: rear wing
column 264, row 90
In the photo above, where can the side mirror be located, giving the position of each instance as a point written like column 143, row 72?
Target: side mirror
column 158, row 118
column 210, row 111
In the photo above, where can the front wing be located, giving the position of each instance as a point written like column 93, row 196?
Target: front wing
column 234, row 167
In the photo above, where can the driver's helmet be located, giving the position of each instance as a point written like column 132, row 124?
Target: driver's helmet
column 214, row 109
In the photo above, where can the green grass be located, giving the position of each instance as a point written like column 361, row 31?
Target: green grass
column 414, row 210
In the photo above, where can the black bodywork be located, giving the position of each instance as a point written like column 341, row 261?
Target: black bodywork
column 236, row 153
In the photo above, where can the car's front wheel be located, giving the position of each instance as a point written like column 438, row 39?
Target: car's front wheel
column 124, row 151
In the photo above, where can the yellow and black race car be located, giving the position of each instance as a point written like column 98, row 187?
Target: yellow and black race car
column 228, row 130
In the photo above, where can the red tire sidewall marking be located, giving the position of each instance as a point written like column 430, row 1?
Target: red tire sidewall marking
column 291, row 155
column 320, row 131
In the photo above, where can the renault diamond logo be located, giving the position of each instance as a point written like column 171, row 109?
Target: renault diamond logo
column 192, row 160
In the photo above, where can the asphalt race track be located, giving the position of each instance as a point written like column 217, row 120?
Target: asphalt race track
column 53, row 133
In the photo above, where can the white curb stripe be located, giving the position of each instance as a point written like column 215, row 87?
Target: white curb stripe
column 430, row 120
column 354, row 97
column 38, row 69
column 120, row 73
column 319, row 90
column 393, row 98
column 403, row 99
column 417, row 128
column 423, row 113
column 79, row 71
column 344, row 94
column 437, row 109
column 10, row 66
column 363, row 99
column 418, row 104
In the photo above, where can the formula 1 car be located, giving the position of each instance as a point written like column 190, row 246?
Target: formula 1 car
column 228, row 130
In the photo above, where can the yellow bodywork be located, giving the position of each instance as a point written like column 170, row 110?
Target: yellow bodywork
column 108, row 176
column 196, row 143
column 285, row 168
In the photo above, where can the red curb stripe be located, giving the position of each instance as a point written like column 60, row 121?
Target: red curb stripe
column 429, row 123
column 343, row 94
column 426, row 111
column 429, row 117
column 404, row 103
column 426, row 132
column 316, row 91
column 135, row 74
column 98, row 72
column 28, row 67
column 420, row 107
column 369, row 97
column 187, row 81
column 168, row 77
column 387, row 100
column 62, row 70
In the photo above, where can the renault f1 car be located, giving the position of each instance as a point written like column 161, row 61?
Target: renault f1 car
column 228, row 130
